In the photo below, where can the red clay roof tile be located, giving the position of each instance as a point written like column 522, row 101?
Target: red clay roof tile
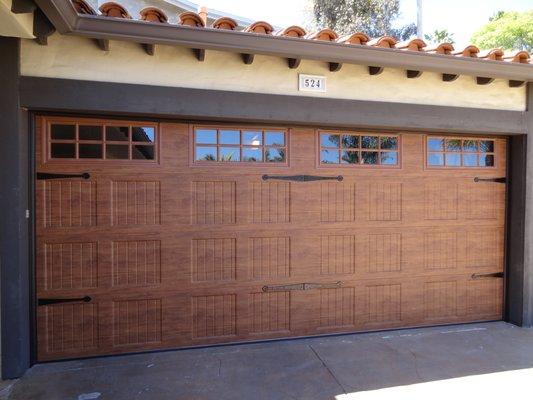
column 354, row 38
column 494, row 54
column 190, row 18
column 442, row 48
column 518, row 57
column 225, row 23
column 260, row 27
column 82, row 7
column 412, row 45
column 468, row 51
column 153, row 14
column 326, row 34
column 115, row 10
column 387, row 42
column 292, row 31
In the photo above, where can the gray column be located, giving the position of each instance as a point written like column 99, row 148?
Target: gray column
column 14, row 232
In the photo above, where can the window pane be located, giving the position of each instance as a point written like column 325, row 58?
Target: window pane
column 140, row 152
column 369, row 142
column 389, row 158
column 435, row 144
column 90, row 132
column 370, row 157
column 117, row 152
column 275, row 138
column 327, row 140
column 389, row 143
column 350, row 157
column 229, row 154
column 329, row 156
column 206, row 136
column 206, row 154
column 469, row 145
column 486, row 160
column 453, row 144
column 470, row 160
column 145, row 134
column 229, row 137
column 486, row 146
column 453, row 160
column 63, row 132
column 91, row 151
column 349, row 141
column 63, row 150
column 252, row 138
column 252, row 154
column 435, row 159
column 273, row 154
column 117, row 133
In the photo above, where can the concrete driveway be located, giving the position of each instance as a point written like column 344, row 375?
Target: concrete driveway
column 446, row 362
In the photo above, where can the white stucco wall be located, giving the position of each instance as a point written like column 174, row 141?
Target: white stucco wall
column 79, row 58
column 14, row 25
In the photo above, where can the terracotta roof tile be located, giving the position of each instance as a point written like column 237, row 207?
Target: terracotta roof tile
column 494, row 54
column 190, row 18
column 412, row 45
column 468, row 51
column 153, row 14
column 225, row 23
column 518, row 57
column 82, row 7
column 115, row 10
column 384, row 41
column 292, row 31
column 354, row 38
column 326, row 35
column 260, row 27
column 442, row 48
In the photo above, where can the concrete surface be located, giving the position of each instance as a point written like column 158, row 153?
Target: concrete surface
column 485, row 359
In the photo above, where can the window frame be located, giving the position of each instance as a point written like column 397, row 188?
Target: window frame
column 359, row 133
column 463, row 167
column 47, row 140
column 241, row 128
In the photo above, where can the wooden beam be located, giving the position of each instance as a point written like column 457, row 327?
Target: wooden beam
column 293, row 62
column 247, row 58
column 449, row 77
column 334, row 67
column 149, row 48
column 23, row 6
column 199, row 54
column 515, row 84
column 103, row 44
column 483, row 80
column 411, row 73
column 42, row 27
column 375, row 70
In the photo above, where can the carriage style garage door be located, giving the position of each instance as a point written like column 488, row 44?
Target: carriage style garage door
column 184, row 235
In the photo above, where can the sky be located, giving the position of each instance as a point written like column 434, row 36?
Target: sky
column 462, row 17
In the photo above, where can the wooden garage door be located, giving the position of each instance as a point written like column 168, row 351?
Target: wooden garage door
column 189, row 235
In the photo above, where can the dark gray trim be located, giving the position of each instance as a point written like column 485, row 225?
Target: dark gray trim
column 63, row 95
column 14, row 246
column 67, row 21
column 516, row 196
column 528, row 250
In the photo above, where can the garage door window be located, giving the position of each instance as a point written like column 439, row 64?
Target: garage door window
column 454, row 152
column 350, row 149
column 230, row 145
column 100, row 141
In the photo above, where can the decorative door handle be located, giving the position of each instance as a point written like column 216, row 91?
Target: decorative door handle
column 49, row 175
column 303, row 178
column 46, row 302
column 497, row 180
column 301, row 286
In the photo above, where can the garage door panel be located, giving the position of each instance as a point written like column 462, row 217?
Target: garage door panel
column 175, row 252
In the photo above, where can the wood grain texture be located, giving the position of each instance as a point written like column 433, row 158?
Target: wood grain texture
column 175, row 253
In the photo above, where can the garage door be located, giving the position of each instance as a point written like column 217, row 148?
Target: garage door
column 159, row 235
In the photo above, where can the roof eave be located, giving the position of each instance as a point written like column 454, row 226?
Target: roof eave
column 64, row 17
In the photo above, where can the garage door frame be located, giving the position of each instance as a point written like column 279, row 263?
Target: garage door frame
column 519, row 302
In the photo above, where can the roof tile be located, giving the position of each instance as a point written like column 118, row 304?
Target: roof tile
column 82, row 7
column 153, row 14
column 115, row 10
column 292, row 31
column 190, row 18
column 326, row 34
column 384, row 41
column 354, row 38
column 442, row 48
column 225, row 23
column 260, row 27
column 468, row 51
column 494, row 54
column 518, row 57
column 411, row 45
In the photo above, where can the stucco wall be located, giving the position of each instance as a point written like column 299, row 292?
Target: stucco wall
column 79, row 58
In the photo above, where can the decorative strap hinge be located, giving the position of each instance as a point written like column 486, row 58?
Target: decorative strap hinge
column 303, row 178
column 49, row 175
column 497, row 180
column 47, row 302
column 301, row 286
column 489, row 275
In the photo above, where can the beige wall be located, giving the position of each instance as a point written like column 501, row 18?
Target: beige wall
column 14, row 25
column 79, row 58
